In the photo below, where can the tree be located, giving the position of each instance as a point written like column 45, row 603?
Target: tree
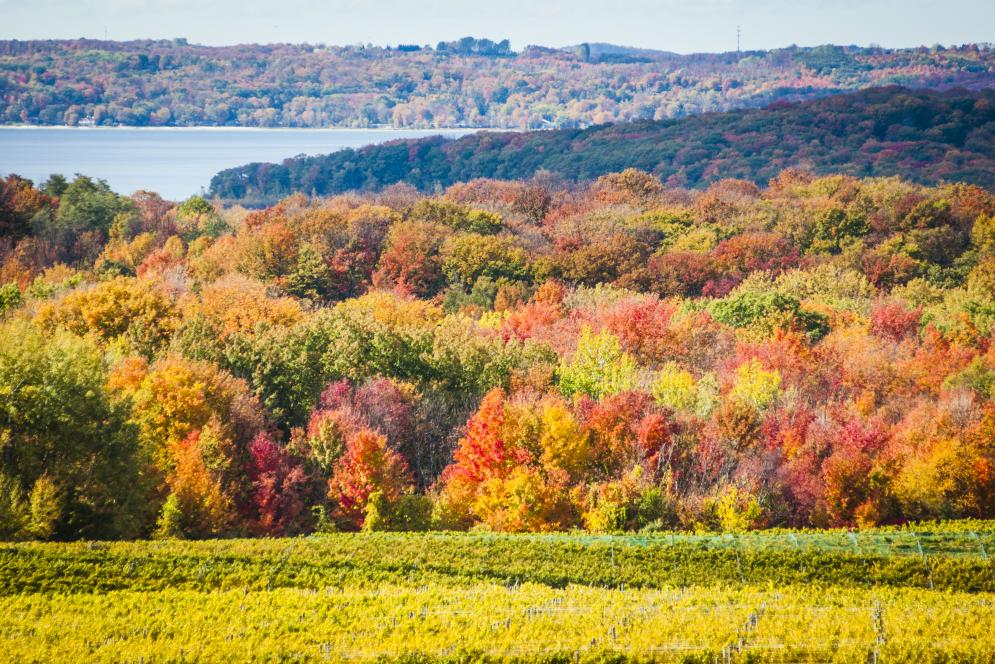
column 196, row 217
column 132, row 311
column 177, row 398
column 469, row 256
column 755, row 386
column 312, row 277
column 280, row 488
column 598, row 367
column 835, row 229
column 283, row 365
column 199, row 507
column 88, row 204
column 483, row 453
column 69, row 450
column 237, row 304
column 22, row 207
column 565, row 444
column 367, row 466
column 412, row 262
column 675, row 388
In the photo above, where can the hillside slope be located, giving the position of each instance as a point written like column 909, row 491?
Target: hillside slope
column 920, row 135
column 464, row 83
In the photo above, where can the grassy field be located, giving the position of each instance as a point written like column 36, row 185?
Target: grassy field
column 883, row 595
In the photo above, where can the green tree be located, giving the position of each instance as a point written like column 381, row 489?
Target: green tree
column 470, row 256
column 10, row 297
column 598, row 368
column 62, row 434
column 88, row 204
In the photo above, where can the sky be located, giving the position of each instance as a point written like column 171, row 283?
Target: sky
column 684, row 26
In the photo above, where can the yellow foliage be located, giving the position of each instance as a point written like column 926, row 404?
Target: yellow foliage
column 564, row 442
column 675, row 388
column 128, row 374
column 737, row 510
column 178, row 397
column 392, row 310
column 129, row 253
column 755, row 386
column 121, row 307
column 237, row 304
column 524, row 502
column 213, row 262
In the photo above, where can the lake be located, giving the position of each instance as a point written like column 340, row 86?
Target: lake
column 175, row 162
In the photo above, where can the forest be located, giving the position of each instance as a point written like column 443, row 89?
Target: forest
column 501, row 355
column 923, row 136
column 462, row 83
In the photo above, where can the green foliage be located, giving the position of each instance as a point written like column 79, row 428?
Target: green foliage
column 768, row 311
column 481, row 296
column 88, row 204
column 467, row 257
column 192, row 207
column 836, row 229
column 284, row 367
column 977, row 376
column 311, row 277
column 880, row 559
column 598, row 367
column 410, row 512
column 42, row 288
column 46, row 505
column 825, row 134
column 169, row 524
column 59, row 422
column 10, row 298
column 15, row 513
column 198, row 218
column 55, row 185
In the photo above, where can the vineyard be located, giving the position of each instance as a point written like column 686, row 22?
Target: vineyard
column 923, row 594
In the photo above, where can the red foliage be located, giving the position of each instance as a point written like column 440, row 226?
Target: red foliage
column 378, row 404
column 627, row 429
column 752, row 252
column 482, row 453
column 892, row 320
column 368, row 465
column 854, row 479
column 681, row 272
column 885, row 270
column 642, row 327
column 412, row 263
column 280, row 488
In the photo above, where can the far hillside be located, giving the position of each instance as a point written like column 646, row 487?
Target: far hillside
column 923, row 136
column 467, row 82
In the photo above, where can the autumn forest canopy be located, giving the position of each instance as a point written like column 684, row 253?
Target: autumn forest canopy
column 511, row 355
column 463, row 83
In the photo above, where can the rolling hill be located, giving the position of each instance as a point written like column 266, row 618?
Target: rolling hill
column 924, row 136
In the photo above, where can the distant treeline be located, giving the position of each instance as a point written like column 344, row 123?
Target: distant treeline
column 467, row 82
column 922, row 136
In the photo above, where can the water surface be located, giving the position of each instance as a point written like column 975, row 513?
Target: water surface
column 175, row 162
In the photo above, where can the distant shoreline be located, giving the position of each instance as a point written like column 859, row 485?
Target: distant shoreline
column 230, row 128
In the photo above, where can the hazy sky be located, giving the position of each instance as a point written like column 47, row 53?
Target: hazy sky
column 675, row 25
